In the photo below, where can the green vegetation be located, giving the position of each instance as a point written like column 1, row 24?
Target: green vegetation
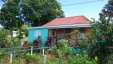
column 18, row 14
column 102, row 34
column 30, row 58
column 14, row 13
column 8, row 15
column 108, row 9
column 5, row 38
column 63, row 54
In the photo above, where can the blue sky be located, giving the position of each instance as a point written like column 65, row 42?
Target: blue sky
column 1, row 3
column 90, row 10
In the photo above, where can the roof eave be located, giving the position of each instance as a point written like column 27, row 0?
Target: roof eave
column 40, row 27
column 69, row 26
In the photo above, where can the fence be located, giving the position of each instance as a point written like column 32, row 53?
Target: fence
column 15, row 51
column 57, row 57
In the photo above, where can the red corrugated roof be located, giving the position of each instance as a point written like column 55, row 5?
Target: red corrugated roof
column 68, row 21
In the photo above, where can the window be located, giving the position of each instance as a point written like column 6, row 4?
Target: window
column 82, row 33
column 37, row 33
column 81, row 36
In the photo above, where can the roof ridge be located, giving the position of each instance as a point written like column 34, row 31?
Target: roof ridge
column 71, row 17
column 75, row 16
column 81, row 19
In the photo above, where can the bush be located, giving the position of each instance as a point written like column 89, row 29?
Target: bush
column 81, row 59
column 5, row 39
column 29, row 58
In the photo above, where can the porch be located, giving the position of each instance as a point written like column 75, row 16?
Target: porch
column 66, row 33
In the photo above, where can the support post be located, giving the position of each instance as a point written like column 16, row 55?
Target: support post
column 14, row 51
column 44, row 59
column 31, row 50
column 11, row 58
column 43, row 51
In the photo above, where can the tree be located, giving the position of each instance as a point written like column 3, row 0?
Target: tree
column 102, row 32
column 14, row 13
column 4, row 1
column 39, row 12
column 23, row 31
column 108, row 9
column 8, row 14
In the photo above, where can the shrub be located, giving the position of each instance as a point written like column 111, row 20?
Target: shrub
column 81, row 59
column 30, row 58
column 5, row 39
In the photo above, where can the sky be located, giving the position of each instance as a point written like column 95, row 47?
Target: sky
column 90, row 10
column 1, row 3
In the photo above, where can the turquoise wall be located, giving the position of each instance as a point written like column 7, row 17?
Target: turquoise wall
column 34, row 32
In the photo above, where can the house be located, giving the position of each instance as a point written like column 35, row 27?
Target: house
column 60, row 27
